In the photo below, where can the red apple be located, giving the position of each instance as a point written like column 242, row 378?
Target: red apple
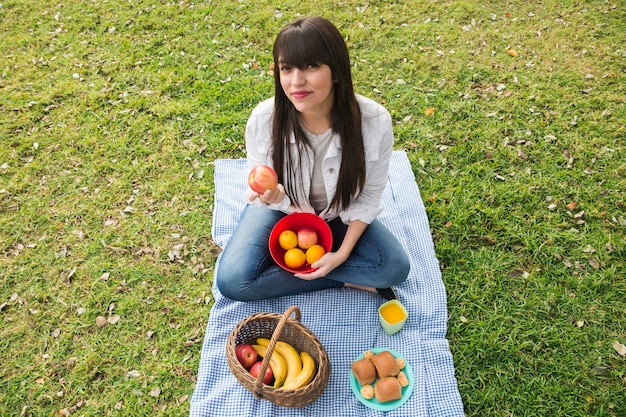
column 269, row 374
column 246, row 355
column 307, row 237
column 262, row 178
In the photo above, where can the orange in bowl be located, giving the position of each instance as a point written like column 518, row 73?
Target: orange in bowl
column 288, row 239
column 314, row 253
column 295, row 258
column 295, row 222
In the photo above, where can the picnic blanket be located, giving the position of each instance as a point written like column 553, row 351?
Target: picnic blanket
column 344, row 320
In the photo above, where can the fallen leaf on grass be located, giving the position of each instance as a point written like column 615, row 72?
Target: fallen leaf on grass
column 133, row 374
column 619, row 348
column 516, row 273
column 155, row 392
column 512, row 52
column 429, row 111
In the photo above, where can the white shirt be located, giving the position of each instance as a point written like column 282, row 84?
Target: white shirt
column 378, row 143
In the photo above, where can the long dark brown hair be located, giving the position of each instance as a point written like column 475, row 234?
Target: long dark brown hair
column 316, row 40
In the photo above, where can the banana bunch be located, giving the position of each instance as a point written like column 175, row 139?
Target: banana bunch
column 292, row 370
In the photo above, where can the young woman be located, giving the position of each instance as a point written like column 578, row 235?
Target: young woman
column 331, row 150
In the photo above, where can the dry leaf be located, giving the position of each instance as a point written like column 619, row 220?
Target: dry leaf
column 101, row 321
column 516, row 273
column 619, row 348
column 429, row 111
column 155, row 392
column 512, row 52
column 133, row 374
column 589, row 249
column 113, row 319
column 571, row 206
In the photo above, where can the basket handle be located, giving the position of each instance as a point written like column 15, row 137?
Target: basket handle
column 258, row 385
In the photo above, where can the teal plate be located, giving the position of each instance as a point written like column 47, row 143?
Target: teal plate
column 391, row 405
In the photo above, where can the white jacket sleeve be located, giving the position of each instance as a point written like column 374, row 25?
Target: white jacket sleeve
column 258, row 146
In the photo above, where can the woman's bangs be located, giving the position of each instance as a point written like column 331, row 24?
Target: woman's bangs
column 299, row 49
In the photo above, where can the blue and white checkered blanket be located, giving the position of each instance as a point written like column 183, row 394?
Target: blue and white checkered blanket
column 344, row 320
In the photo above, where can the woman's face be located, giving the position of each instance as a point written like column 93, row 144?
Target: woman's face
column 310, row 88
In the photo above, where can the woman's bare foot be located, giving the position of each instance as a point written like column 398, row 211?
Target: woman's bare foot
column 360, row 287
column 386, row 293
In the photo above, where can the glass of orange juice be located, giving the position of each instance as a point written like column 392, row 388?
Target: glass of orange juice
column 392, row 316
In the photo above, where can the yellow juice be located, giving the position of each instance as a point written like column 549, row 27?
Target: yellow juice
column 392, row 313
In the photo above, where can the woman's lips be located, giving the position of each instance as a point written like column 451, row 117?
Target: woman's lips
column 300, row 94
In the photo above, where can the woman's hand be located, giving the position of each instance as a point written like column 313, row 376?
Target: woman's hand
column 269, row 196
column 332, row 260
column 324, row 265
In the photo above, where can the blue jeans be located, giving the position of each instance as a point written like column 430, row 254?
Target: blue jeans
column 247, row 271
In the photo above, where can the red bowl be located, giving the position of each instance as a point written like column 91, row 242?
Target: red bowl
column 294, row 222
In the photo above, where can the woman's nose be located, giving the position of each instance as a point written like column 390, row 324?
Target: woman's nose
column 297, row 77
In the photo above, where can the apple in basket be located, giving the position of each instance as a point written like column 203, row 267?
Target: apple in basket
column 269, row 374
column 262, row 178
column 246, row 355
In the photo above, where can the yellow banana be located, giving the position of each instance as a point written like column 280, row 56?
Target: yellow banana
column 278, row 364
column 306, row 375
column 291, row 355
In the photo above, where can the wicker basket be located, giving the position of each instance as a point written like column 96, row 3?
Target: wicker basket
column 278, row 327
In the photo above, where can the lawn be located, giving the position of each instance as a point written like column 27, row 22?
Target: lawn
column 113, row 112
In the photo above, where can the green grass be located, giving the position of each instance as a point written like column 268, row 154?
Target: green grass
column 112, row 113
